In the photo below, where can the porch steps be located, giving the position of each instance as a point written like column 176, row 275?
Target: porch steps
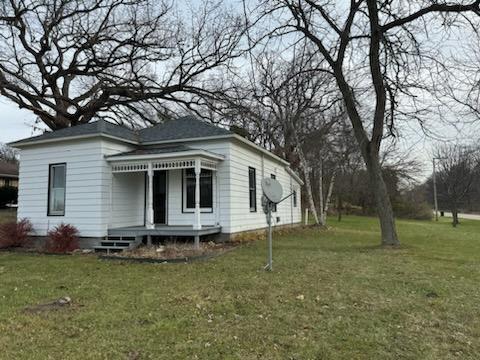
column 118, row 243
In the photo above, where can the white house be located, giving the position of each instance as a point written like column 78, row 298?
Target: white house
column 180, row 178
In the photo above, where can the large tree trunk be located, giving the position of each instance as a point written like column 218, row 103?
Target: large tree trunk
column 382, row 200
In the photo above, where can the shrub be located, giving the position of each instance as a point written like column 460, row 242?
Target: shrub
column 413, row 210
column 15, row 234
column 62, row 239
column 8, row 194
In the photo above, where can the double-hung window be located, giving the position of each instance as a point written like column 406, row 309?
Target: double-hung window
column 252, row 189
column 206, row 189
column 56, row 189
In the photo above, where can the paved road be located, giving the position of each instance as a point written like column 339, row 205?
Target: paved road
column 464, row 216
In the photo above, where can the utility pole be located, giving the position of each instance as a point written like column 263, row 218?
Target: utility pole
column 435, row 202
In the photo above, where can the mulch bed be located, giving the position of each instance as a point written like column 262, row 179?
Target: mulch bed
column 172, row 253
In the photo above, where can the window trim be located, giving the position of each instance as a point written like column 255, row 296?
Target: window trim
column 254, row 208
column 50, row 166
column 185, row 210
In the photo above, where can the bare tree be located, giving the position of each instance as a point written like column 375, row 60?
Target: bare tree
column 283, row 102
column 371, row 45
column 8, row 154
column 457, row 177
column 70, row 61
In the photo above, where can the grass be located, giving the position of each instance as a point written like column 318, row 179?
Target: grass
column 333, row 295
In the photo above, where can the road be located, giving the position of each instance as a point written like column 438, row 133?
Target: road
column 464, row 216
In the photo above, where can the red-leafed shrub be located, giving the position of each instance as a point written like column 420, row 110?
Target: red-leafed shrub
column 62, row 239
column 15, row 234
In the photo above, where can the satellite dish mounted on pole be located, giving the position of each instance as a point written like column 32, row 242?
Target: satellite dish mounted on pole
column 272, row 195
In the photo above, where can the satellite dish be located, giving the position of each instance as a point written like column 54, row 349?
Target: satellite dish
column 272, row 190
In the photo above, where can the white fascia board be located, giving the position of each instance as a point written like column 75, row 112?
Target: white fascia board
column 172, row 155
column 20, row 144
column 294, row 175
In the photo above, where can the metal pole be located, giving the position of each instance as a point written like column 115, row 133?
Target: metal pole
column 270, row 261
column 435, row 191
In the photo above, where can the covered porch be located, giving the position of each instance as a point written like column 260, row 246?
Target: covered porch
column 171, row 190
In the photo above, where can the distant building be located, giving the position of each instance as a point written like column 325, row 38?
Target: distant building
column 8, row 174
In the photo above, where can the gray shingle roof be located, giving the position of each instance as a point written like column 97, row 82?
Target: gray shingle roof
column 93, row 128
column 187, row 127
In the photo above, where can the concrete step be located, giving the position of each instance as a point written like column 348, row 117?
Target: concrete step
column 118, row 243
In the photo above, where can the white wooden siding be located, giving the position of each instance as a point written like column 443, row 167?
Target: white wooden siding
column 128, row 199
column 242, row 219
column 84, row 185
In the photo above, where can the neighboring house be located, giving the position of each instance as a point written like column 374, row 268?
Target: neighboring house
column 184, row 177
column 8, row 174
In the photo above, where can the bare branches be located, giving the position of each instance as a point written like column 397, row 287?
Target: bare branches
column 71, row 61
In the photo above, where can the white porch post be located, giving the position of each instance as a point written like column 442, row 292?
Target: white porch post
column 149, row 222
column 197, row 224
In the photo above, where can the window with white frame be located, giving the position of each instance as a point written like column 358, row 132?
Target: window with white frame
column 206, row 190
column 56, row 189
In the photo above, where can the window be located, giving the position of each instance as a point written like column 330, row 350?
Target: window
column 206, row 189
column 56, row 189
column 274, row 207
column 252, row 189
column 294, row 198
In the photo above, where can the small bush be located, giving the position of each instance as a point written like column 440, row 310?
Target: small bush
column 8, row 194
column 413, row 210
column 13, row 234
column 62, row 239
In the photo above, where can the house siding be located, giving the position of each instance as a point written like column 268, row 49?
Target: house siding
column 84, row 185
column 241, row 218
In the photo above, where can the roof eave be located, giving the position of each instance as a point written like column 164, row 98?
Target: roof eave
column 178, row 154
column 24, row 143
column 294, row 175
column 170, row 141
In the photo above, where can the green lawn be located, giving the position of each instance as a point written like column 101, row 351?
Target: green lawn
column 359, row 301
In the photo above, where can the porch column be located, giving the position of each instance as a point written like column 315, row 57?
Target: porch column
column 149, row 210
column 197, row 224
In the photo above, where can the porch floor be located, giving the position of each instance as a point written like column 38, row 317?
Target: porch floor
column 164, row 230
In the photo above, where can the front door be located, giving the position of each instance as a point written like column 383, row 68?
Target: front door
column 160, row 197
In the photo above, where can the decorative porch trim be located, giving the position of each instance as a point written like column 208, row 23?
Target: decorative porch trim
column 173, row 164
